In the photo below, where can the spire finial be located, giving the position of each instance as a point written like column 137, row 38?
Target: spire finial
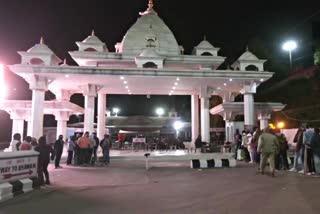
column 41, row 40
column 92, row 33
column 205, row 37
column 247, row 48
column 150, row 4
column 65, row 61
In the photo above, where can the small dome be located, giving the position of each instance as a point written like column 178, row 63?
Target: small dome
column 248, row 56
column 149, row 52
column 93, row 39
column 40, row 48
column 205, row 45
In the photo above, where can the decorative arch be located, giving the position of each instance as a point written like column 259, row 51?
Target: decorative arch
column 206, row 54
column 90, row 50
column 36, row 61
column 150, row 65
column 252, row 68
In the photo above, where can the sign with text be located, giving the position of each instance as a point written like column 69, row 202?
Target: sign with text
column 138, row 140
column 17, row 167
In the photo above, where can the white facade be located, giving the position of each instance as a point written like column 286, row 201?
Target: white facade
column 149, row 60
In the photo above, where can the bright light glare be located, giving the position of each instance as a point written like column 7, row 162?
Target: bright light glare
column 272, row 126
column 3, row 89
column 160, row 111
column 281, row 125
column 178, row 125
column 116, row 110
column 289, row 46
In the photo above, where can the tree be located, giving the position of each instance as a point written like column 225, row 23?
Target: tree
column 317, row 57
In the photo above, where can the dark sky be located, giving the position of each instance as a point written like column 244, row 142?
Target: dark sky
column 227, row 24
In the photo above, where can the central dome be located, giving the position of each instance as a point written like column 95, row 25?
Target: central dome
column 135, row 40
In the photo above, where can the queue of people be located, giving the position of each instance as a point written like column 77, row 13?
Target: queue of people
column 307, row 151
column 271, row 145
column 82, row 151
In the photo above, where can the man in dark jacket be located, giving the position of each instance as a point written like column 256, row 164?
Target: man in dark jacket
column 95, row 148
column 106, row 145
column 58, row 148
column 44, row 159
column 282, row 158
column 198, row 144
column 315, row 146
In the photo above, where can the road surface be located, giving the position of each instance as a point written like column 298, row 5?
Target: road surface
column 125, row 187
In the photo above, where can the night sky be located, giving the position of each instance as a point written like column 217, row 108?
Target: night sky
column 230, row 25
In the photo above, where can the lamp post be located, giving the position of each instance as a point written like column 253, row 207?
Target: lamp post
column 116, row 111
column 160, row 112
column 177, row 126
column 290, row 46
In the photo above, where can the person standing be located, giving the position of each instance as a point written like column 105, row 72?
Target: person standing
column 16, row 142
column 26, row 145
column 58, row 147
column 91, row 149
column 71, row 149
column 95, row 149
column 308, row 154
column 237, row 142
column 315, row 145
column 244, row 144
column 251, row 148
column 84, row 144
column 268, row 147
column 34, row 142
column 298, row 151
column 105, row 145
column 255, row 138
column 198, row 144
column 282, row 158
column 44, row 159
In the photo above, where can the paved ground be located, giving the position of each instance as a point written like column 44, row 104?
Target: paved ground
column 125, row 187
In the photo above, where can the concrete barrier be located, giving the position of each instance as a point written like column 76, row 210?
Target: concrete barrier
column 212, row 163
column 18, row 172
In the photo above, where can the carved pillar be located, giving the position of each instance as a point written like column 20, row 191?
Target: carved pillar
column 38, row 85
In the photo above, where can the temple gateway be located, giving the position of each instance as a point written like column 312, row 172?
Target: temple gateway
column 148, row 61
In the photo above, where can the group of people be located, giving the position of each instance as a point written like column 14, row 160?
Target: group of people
column 259, row 147
column 307, row 151
column 46, row 152
column 81, row 150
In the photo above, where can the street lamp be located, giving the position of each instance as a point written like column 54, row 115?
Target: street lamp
column 2, row 85
column 280, row 125
column 177, row 126
column 116, row 111
column 160, row 111
column 290, row 46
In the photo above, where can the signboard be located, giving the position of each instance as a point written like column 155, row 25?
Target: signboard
column 138, row 140
column 18, row 165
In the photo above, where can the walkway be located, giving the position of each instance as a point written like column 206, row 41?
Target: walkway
column 125, row 187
